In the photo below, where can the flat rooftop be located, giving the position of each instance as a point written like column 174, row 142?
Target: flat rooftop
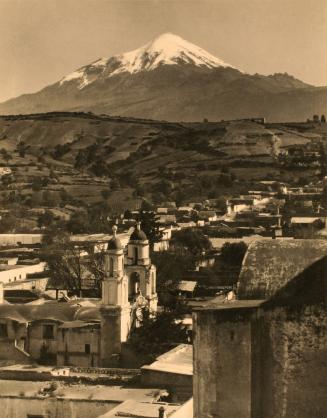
column 134, row 409
column 178, row 361
column 22, row 388
column 214, row 304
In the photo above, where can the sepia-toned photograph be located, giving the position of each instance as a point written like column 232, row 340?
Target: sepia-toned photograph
column 163, row 209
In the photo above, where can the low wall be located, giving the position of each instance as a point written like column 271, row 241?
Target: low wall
column 77, row 374
column 151, row 377
column 20, row 407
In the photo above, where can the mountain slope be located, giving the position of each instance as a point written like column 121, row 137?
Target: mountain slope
column 171, row 79
column 77, row 156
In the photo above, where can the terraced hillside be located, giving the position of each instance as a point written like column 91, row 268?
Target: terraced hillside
column 81, row 158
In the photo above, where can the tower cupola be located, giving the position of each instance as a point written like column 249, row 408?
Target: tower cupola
column 138, row 247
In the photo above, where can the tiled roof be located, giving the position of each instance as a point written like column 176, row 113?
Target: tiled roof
column 270, row 264
column 55, row 311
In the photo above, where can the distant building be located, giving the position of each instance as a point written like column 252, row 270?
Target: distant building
column 16, row 272
column 20, row 239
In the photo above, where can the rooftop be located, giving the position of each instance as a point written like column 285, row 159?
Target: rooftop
column 270, row 264
column 178, row 360
column 80, row 391
column 135, row 409
column 51, row 310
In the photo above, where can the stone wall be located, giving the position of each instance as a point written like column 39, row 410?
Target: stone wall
column 260, row 362
column 294, row 369
column 222, row 364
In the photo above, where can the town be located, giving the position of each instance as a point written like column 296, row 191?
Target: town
column 132, row 310
column 163, row 209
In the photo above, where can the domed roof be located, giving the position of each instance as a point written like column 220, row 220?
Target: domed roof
column 138, row 234
column 114, row 243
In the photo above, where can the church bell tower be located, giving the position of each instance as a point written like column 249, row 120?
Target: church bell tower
column 141, row 272
column 115, row 309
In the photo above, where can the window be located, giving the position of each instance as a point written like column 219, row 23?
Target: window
column 87, row 348
column 153, row 283
column 111, row 267
column 48, row 332
column 3, row 330
column 136, row 255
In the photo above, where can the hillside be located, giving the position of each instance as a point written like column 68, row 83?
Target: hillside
column 174, row 80
column 57, row 159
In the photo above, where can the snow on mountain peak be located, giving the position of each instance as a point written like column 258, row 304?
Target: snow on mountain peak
column 166, row 49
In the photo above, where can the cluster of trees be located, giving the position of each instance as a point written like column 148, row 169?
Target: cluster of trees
column 71, row 266
column 158, row 333
column 93, row 158
column 5, row 155
column 316, row 119
column 60, row 150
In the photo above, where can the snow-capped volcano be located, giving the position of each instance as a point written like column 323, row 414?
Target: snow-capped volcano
column 166, row 49
column 171, row 79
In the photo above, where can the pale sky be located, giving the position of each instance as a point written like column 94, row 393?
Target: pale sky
column 43, row 40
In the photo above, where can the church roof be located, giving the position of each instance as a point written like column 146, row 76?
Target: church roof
column 138, row 234
column 270, row 264
column 114, row 244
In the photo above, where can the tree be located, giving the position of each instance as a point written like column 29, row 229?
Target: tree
column 78, row 223
column 191, row 241
column 71, row 266
column 5, row 155
column 105, row 193
column 21, row 149
column 158, row 333
column 114, row 184
column 171, row 269
column 323, row 119
column 233, row 253
column 150, row 226
column 8, row 224
column 45, row 219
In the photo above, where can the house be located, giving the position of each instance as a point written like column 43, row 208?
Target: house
column 166, row 220
column 185, row 210
column 163, row 244
column 19, row 272
column 207, row 215
column 186, row 288
column 262, row 355
column 302, row 221
column 184, row 225
column 20, row 239
column 162, row 211
column 236, row 205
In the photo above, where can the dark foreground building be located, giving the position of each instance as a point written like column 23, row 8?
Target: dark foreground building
column 264, row 355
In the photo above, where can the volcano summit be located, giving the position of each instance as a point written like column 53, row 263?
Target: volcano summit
column 170, row 78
